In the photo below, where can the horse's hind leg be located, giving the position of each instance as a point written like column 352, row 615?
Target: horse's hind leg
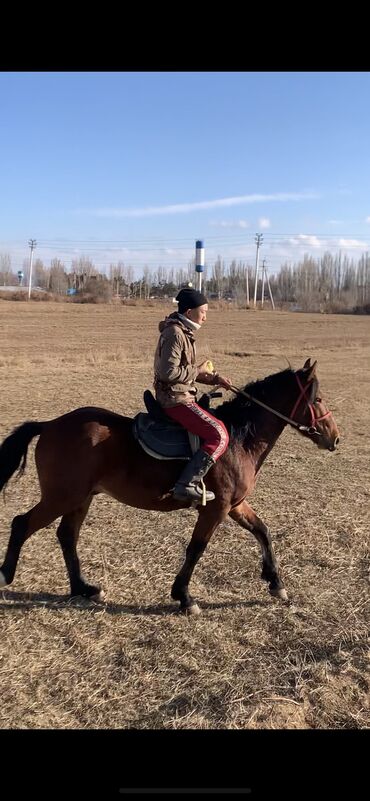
column 23, row 526
column 68, row 533
column 247, row 518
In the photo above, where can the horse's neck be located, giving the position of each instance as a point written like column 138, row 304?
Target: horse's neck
column 265, row 437
column 267, row 430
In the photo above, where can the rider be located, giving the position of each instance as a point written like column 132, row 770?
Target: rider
column 175, row 373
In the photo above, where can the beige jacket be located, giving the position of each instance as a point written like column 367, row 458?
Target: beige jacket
column 175, row 370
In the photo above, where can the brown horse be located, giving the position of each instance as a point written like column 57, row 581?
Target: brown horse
column 92, row 450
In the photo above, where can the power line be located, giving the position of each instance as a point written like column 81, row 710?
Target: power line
column 163, row 240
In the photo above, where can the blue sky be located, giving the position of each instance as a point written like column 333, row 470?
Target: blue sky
column 137, row 166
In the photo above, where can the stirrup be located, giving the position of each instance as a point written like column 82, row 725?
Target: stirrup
column 184, row 492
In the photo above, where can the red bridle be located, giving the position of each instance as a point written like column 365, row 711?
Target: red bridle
column 310, row 405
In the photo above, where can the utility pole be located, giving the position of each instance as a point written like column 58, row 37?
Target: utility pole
column 263, row 281
column 258, row 240
column 247, row 283
column 32, row 243
column 268, row 284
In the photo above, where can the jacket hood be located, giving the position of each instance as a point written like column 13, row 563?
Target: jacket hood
column 172, row 319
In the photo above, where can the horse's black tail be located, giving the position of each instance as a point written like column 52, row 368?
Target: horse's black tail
column 14, row 448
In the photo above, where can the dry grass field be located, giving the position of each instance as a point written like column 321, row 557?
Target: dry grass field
column 249, row 661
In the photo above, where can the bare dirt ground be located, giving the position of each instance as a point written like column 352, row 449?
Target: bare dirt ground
column 249, row 661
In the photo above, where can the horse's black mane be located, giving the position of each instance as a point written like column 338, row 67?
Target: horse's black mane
column 240, row 415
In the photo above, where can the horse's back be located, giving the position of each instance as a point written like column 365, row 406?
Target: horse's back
column 96, row 414
column 76, row 449
column 80, row 431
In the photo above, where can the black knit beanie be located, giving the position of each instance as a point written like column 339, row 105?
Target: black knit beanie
column 189, row 298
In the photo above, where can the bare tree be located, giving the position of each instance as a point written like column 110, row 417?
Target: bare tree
column 40, row 274
column 58, row 279
column 116, row 275
column 218, row 273
column 84, row 266
column 6, row 275
column 147, row 282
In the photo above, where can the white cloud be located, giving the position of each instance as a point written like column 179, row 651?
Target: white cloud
column 299, row 240
column 348, row 223
column 293, row 248
column 327, row 244
column 264, row 222
column 312, row 241
column 230, row 223
column 352, row 243
column 185, row 208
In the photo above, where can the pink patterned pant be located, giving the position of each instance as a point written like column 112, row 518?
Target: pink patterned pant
column 196, row 420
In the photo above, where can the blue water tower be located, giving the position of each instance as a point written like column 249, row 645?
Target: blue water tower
column 199, row 261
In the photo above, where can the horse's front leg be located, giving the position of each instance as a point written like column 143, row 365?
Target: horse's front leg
column 207, row 523
column 247, row 518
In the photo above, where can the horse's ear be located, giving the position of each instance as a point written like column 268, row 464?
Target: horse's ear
column 310, row 369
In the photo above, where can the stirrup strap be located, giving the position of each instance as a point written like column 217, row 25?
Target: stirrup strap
column 204, row 491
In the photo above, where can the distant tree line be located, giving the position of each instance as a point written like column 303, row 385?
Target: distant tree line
column 330, row 283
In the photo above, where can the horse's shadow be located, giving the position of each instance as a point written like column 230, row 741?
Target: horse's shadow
column 27, row 600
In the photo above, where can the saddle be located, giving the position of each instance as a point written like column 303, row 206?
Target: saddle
column 162, row 438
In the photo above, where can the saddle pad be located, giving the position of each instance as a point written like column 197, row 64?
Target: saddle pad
column 162, row 440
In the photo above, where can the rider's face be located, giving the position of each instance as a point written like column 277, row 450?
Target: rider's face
column 198, row 315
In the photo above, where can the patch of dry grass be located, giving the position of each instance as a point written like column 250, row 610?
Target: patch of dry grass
column 248, row 661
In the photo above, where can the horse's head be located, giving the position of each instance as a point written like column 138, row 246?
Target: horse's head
column 311, row 412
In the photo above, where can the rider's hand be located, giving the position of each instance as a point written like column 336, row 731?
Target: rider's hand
column 218, row 380
column 221, row 381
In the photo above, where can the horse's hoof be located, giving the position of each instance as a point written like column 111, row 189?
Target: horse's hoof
column 280, row 593
column 3, row 581
column 191, row 610
column 98, row 598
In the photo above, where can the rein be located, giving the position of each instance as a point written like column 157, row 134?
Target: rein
column 307, row 429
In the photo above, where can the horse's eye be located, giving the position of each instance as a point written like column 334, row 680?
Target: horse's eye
column 317, row 400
